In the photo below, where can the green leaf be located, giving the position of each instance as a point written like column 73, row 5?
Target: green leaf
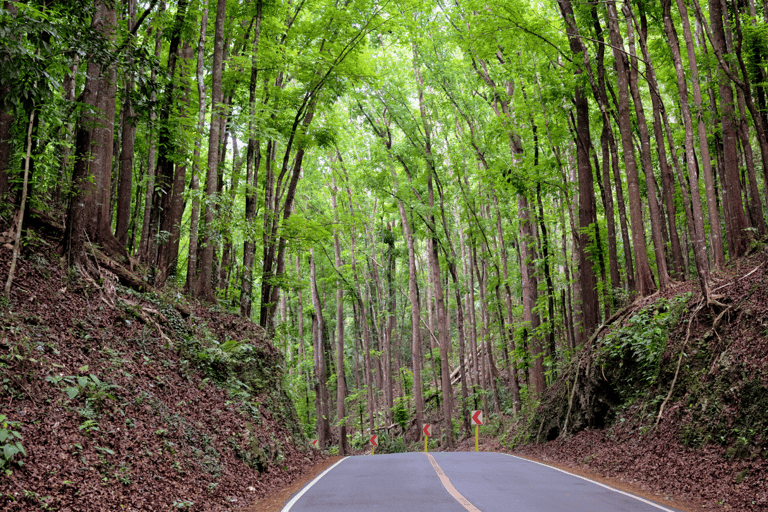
column 71, row 391
column 9, row 450
column 105, row 450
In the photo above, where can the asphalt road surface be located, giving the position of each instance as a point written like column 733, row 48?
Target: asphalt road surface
column 457, row 482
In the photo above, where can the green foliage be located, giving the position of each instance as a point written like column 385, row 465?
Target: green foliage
column 392, row 443
column 359, row 440
column 633, row 352
column 10, row 442
column 91, row 388
column 400, row 412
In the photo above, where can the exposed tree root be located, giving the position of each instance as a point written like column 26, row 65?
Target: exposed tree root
column 130, row 279
column 570, row 403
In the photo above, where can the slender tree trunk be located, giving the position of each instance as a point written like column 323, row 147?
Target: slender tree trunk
column 415, row 318
column 191, row 284
column 514, row 384
column 323, row 426
column 645, row 158
column 695, row 217
column 253, row 161
column 667, row 179
column 530, row 293
column 300, row 312
column 125, row 180
column 341, row 385
column 587, row 207
column 168, row 265
column 644, row 278
column 147, row 242
column 601, row 96
column 64, row 173
column 20, row 215
column 736, row 221
column 715, row 234
column 389, row 322
column 205, row 282
column 466, row 268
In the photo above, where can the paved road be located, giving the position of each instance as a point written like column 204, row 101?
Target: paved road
column 456, row 482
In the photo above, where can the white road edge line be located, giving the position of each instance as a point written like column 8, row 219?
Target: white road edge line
column 306, row 487
column 594, row 482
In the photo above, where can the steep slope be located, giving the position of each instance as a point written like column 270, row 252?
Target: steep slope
column 705, row 367
column 119, row 402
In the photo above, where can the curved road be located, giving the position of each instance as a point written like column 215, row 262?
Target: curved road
column 457, row 482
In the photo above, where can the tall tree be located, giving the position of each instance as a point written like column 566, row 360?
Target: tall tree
column 205, row 279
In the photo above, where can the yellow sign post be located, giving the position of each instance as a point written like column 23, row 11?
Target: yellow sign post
column 374, row 443
column 477, row 419
column 427, row 432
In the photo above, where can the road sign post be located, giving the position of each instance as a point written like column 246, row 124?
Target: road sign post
column 477, row 419
column 374, row 443
column 427, row 432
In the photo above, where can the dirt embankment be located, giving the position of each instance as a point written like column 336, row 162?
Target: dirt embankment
column 709, row 447
column 120, row 402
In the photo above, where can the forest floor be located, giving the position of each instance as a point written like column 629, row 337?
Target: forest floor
column 114, row 413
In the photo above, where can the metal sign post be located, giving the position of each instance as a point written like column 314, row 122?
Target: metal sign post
column 477, row 419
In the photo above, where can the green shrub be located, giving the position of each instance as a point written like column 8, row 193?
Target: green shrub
column 632, row 354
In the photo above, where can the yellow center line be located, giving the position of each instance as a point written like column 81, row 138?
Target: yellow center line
column 449, row 486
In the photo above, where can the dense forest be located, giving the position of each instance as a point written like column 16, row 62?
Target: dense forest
column 423, row 204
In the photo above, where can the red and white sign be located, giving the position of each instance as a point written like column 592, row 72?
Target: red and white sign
column 375, row 440
column 314, row 443
column 477, row 417
column 427, row 429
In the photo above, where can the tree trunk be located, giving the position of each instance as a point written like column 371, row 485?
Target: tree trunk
column 64, row 162
column 667, row 179
column 695, row 217
column 415, row 319
column 601, row 96
column 6, row 123
column 442, row 324
column 323, row 425
column 89, row 214
column 253, row 161
column 645, row 158
column 530, row 293
column 736, row 221
column 514, row 384
column 389, row 323
column 644, row 279
column 587, row 207
column 167, row 266
column 205, row 282
column 147, row 244
column 125, row 180
column 191, row 284
column 715, row 234
column 341, row 388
